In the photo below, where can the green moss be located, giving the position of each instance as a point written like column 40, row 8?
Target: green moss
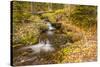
column 50, row 16
column 34, row 18
column 66, row 50
column 60, row 11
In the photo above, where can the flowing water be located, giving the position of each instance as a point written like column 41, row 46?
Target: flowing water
column 32, row 54
column 50, row 27
column 43, row 46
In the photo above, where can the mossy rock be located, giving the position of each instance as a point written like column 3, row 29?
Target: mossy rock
column 50, row 16
column 34, row 18
column 61, row 39
column 58, row 39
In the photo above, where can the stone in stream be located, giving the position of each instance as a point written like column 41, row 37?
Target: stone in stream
column 57, row 25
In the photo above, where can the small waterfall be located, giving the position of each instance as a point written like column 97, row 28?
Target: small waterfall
column 43, row 46
column 50, row 27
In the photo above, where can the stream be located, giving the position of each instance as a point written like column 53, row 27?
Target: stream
column 32, row 54
column 43, row 45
